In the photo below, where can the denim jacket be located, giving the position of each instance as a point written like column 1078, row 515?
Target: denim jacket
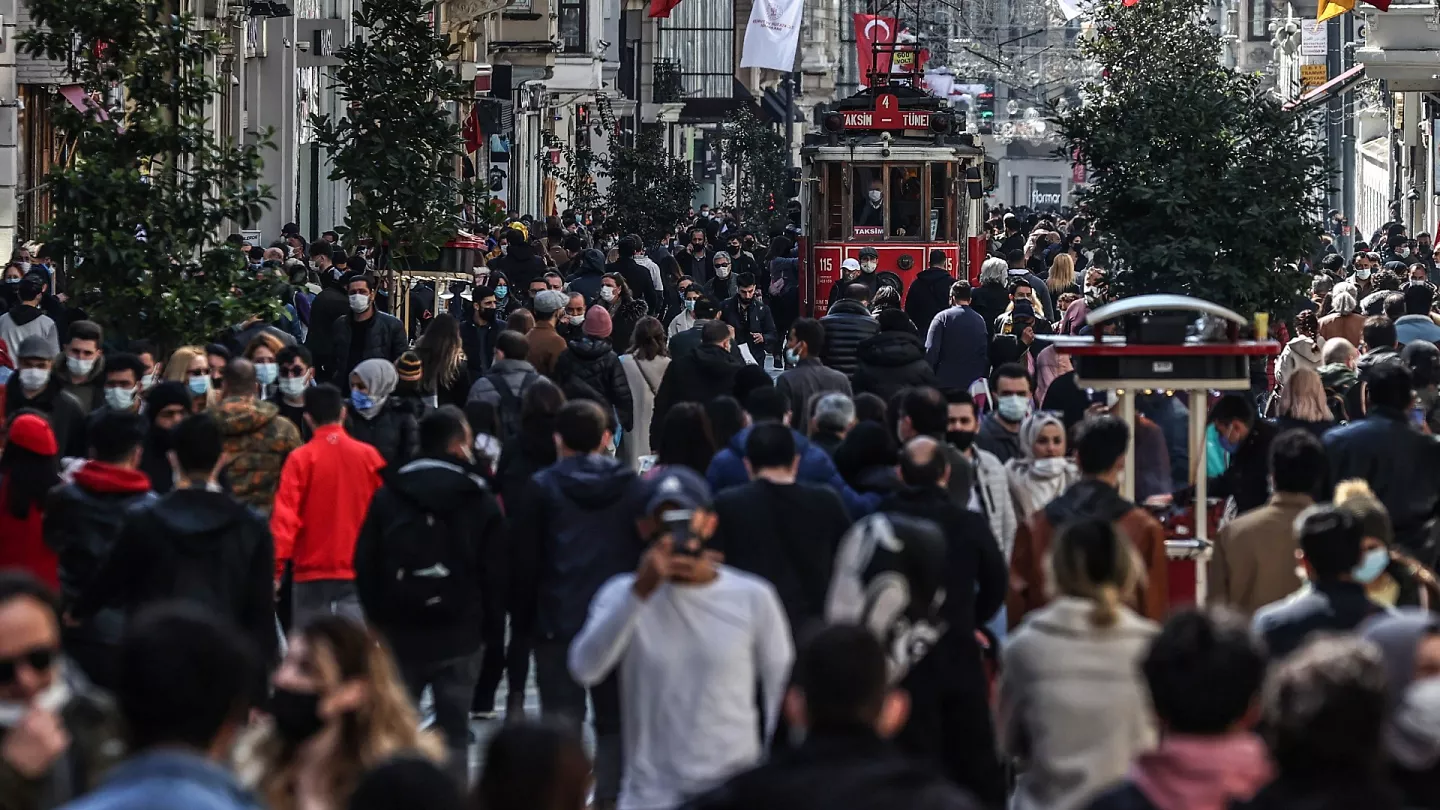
column 169, row 779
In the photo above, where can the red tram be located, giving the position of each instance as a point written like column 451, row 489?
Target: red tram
column 893, row 170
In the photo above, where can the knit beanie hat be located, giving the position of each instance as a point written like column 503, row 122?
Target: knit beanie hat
column 597, row 322
column 31, row 432
column 409, row 367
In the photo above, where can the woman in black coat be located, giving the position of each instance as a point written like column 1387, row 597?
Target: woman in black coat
column 892, row 360
column 590, row 369
column 378, row 418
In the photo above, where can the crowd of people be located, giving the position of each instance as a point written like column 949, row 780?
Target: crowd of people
column 878, row 558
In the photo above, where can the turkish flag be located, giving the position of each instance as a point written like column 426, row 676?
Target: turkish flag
column 471, row 132
column 662, row 8
column 872, row 30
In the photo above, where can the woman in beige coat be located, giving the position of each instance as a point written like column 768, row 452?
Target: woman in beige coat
column 645, row 365
column 1073, row 703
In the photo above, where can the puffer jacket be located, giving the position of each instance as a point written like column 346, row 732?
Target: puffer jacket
column 1302, row 352
column 890, row 362
column 699, row 376
column 847, row 325
column 257, row 441
column 395, row 432
column 623, row 319
column 591, row 369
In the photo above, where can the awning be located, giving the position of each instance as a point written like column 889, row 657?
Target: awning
column 1337, row 86
column 80, row 100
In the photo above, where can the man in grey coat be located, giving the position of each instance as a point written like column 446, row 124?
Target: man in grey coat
column 509, row 377
column 809, row 379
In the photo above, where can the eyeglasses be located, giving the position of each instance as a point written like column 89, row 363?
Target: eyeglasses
column 293, row 371
column 39, row 659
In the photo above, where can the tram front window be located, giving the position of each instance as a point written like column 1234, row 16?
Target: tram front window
column 906, row 203
column 869, row 193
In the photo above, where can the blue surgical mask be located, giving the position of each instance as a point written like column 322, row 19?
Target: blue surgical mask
column 361, row 400
column 266, row 373
column 502, row 291
column 199, row 386
column 1013, row 407
column 1371, row 566
column 1226, row 443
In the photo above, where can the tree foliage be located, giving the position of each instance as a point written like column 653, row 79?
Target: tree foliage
column 647, row 190
column 757, row 151
column 398, row 145
column 1199, row 180
column 148, row 190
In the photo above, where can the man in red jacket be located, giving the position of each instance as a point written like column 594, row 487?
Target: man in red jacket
column 325, row 490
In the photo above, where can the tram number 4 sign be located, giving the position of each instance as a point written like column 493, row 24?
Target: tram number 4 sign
column 887, row 115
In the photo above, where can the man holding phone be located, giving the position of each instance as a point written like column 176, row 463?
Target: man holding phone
column 692, row 638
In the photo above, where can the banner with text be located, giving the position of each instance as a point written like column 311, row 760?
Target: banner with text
column 773, row 34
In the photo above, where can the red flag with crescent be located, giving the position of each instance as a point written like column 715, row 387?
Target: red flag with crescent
column 872, row 30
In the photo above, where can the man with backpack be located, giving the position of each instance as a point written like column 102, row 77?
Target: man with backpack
column 430, row 569
column 325, row 487
column 509, row 377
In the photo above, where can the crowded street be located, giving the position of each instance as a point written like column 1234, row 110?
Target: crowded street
column 552, row 405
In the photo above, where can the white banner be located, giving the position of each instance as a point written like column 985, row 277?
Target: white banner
column 773, row 34
column 1068, row 9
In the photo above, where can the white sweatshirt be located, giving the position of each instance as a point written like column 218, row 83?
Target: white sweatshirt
column 690, row 656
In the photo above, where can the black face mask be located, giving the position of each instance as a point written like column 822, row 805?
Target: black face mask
column 962, row 439
column 296, row 714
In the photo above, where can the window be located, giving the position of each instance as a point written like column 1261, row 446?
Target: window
column 942, row 203
column 572, row 26
column 698, row 39
column 1259, row 13
column 906, row 193
column 832, row 201
column 868, row 190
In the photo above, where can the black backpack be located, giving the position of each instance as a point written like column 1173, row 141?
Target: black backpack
column 428, row 567
column 510, row 401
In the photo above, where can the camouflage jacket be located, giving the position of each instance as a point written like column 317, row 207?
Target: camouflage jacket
column 257, row 440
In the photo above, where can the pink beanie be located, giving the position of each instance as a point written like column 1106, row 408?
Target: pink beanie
column 597, row 322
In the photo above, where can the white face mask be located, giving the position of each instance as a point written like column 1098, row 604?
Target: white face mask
column 120, row 398
column 79, row 367
column 147, row 382
column 266, row 373
column 875, row 196
column 292, row 386
column 868, row 266
column 1048, row 467
column 33, row 379
column 722, row 272
column 607, row 293
column 359, row 302
column 577, row 320
column 1362, row 273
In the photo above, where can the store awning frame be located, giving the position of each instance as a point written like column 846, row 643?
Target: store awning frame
column 1318, row 95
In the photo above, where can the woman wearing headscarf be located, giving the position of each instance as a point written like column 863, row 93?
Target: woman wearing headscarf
column 375, row 419
column 1409, row 644
column 1041, row 472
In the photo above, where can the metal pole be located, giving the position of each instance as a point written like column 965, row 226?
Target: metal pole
column 789, row 120
column 1334, row 110
column 1348, row 140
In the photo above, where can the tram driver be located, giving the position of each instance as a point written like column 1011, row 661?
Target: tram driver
column 870, row 213
column 905, row 202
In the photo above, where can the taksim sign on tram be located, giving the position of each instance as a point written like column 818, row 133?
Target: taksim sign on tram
column 887, row 115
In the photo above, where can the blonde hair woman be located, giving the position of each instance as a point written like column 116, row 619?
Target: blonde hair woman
column 190, row 366
column 338, row 711
column 1303, row 404
column 1041, row 472
column 1062, row 275
column 1073, row 703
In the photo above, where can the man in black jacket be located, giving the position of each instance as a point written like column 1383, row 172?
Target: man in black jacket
column 366, row 333
column 1246, row 437
column 480, row 331
column 696, row 260
column 430, row 571
column 519, row 264
column 642, row 285
column 82, row 524
column 929, row 292
column 33, row 386
column 847, row 325
column 750, row 316
column 327, row 308
column 841, row 695
column 197, row 543
column 953, row 732
column 781, row 529
column 589, row 272
column 699, row 376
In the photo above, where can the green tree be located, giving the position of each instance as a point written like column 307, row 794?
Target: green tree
column 145, row 200
column 399, row 143
column 757, row 151
column 1199, row 180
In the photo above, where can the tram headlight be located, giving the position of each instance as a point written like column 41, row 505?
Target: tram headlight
column 940, row 123
column 833, row 122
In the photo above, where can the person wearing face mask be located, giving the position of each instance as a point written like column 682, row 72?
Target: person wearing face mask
column 1246, row 437
column 849, row 274
column 59, row 735
column 84, row 373
column 690, row 295
column 26, row 318
column 295, row 372
column 808, row 377
column 695, row 260
column 1042, row 471
column 1365, row 266
column 722, row 286
column 372, row 418
column 330, row 304
column 434, row 514
column 1391, row 577
column 34, row 387
column 340, row 724
column 122, row 391
column 10, row 289
column 366, row 333
column 165, row 405
column 870, row 210
column 479, row 331
column 1000, row 429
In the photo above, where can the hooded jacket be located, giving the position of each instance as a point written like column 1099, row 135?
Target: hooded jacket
column 1301, row 352
column 700, row 376
column 727, row 470
column 590, row 369
column 257, row 441
column 588, row 276
column 23, row 321
column 890, row 362
column 580, row 521
column 929, row 295
column 473, row 544
column 325, row 488
column 195, row 545
column 83, row 520
column 847, row 325
column 1089, row 499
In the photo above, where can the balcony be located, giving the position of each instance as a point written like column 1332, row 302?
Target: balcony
column 1402, row 46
